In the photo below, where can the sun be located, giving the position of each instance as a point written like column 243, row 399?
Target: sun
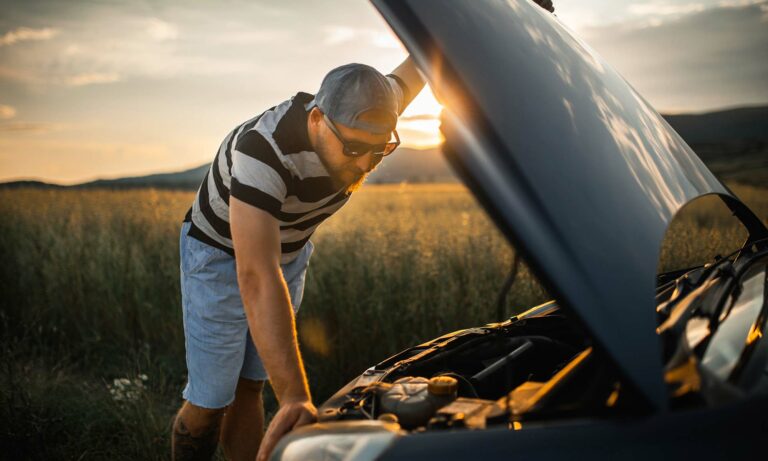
column 424, row 104
column 419, row 126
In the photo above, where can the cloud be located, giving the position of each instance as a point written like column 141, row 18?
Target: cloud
column 655, row 13
column 338, row 35
column 732, row 3
column 110, row 47
column 27, row 127
column 385, row 40
column 697, row 61
column 161, row 30
column 92, row 78
column 23, row 34
column 250, row 36
column 664, row 8
column 7, row 112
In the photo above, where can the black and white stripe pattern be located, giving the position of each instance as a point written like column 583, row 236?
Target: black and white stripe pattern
column 268, row 162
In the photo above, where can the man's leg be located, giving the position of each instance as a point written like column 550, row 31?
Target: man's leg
column 243, row 425
column 215, row 335
column 195, row 433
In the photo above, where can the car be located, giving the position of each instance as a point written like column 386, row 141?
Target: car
column 583, row 177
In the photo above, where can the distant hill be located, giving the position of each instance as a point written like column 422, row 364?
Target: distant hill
column 725, row 126
column 187, row 179
column 30, row 183
column 733, row 143
column 413, row 165
column 406, row 164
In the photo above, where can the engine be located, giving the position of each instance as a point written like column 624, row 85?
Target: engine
column 501, row 374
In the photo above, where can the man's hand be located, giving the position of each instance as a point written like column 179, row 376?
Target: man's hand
column 546, row 4
column 289, row 417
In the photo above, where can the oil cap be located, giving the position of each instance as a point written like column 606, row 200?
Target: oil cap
column 388, row 418
column 443, row 386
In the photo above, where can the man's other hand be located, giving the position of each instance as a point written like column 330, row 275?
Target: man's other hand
column 546, row 4
column 290, row 416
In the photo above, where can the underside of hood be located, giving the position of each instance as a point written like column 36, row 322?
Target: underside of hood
column 578, row 170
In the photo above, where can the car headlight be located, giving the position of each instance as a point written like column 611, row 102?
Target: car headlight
column 343, row 441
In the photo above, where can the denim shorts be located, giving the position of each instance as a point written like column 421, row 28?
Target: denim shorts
column 219, row 348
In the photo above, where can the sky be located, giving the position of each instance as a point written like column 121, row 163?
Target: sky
column 100, row 89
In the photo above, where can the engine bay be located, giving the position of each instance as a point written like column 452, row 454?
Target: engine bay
column 537, row 366
column 523, row 369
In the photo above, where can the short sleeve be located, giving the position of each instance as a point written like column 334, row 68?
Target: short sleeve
column 258, row 176
column 400, row 89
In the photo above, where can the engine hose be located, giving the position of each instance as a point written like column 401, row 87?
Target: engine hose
column 502, row 362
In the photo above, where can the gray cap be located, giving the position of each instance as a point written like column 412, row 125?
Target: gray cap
column 352, row 89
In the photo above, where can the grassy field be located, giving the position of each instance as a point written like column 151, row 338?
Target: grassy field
column 90, row 324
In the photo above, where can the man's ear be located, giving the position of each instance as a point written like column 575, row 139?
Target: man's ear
column 315, row 116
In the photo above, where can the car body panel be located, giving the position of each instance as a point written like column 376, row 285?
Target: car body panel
column 578, row 170
column 734, row 431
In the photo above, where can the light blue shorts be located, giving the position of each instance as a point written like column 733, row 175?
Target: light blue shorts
column 218, row 344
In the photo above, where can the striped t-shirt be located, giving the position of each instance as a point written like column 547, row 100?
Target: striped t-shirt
column 268, row 162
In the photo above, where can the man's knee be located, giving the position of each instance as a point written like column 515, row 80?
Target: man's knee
column 249, row 386
column 195, row 432
column 198, row 420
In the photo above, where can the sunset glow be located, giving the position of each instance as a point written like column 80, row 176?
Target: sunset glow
column 419, row 126
column 108, row 89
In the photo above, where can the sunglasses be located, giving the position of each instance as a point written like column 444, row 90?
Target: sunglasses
column 356, row 149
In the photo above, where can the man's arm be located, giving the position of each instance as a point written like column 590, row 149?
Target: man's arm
column 410, row 78
column 256, row 239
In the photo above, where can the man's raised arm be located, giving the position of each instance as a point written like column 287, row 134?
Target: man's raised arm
column 410, row 80
column 267, row 302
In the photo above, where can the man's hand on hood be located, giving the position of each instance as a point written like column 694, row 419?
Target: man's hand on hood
column 546, row 4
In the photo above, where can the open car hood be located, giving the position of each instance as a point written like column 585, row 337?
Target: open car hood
column 577, row 169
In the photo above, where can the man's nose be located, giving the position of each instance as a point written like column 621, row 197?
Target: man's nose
column 363, row 163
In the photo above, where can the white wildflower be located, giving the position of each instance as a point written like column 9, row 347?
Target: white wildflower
column 127, row 390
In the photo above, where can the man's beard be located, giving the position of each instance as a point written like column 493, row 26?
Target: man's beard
column 375, row 162
column 356, row 184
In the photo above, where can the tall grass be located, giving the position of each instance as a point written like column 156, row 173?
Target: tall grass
column 89, row 283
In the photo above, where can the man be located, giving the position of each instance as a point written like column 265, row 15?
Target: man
column 274, row 180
